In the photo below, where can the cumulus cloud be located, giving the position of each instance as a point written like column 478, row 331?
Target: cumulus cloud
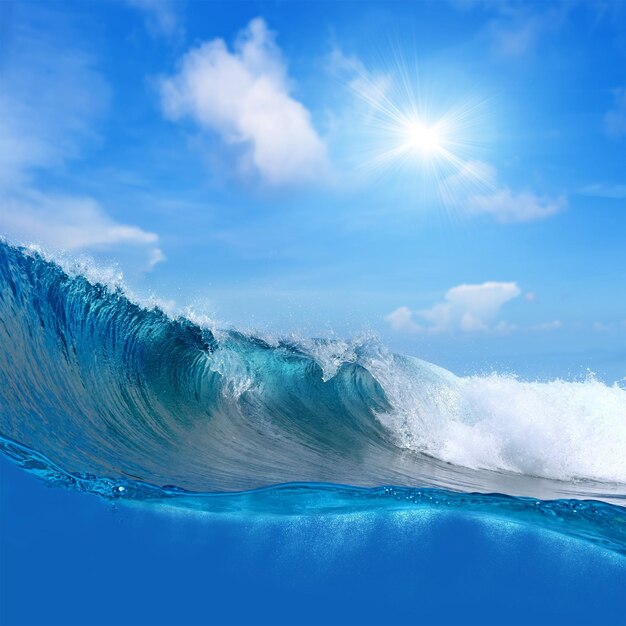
column 401, row 320
column 470, row 307
column 465, row 308
column 243, row 95
column 508, row 207
column 615, row 118
column 71, row 223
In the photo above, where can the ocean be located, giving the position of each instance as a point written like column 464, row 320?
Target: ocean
column 159, row 470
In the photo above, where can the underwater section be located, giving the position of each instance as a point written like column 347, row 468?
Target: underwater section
column 71, row 559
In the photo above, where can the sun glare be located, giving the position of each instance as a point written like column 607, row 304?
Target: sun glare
column 422, row 138
column 433, row 139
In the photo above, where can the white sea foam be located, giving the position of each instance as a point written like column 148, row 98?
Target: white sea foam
column 559, row 429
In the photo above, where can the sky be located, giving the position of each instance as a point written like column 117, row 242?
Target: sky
column 448, row 176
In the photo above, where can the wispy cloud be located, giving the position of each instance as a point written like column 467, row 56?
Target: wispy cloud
column 508, row 207
column 516, row 28
column 465, row 308
column 52, row 99
column 615, row 118
column 514, row 37
column 606, row 327
column 604, row 190
column 71, row 223
column 475, row 190
column 552, row 325
column 161, row 17
column 244, row 96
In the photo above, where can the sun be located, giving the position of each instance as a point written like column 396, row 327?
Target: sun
column 433, row 139
column 423, row 139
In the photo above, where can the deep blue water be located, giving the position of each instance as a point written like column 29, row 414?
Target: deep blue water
column 73, row 558
column 161, row 471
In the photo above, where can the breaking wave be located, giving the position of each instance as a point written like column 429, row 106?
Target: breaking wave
column 98, row 388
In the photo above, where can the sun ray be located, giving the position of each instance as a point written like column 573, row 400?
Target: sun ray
column 437, row 144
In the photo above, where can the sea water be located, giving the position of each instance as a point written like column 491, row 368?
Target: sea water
column 178, row 473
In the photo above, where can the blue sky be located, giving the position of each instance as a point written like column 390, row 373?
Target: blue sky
column 448, row 175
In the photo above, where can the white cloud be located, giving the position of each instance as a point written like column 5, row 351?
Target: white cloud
column 244, row 96
column 51, row 99
column 401, row 320
column 474, row 189
column 371, row 89
column 602, row 190
column 71, row 223
column 160, row 16
column 515, row 38
column 508, row 207
column 615, row 118
column 516, row 27
column 504, row 328
column 553, row 325
column 470, row 307
column 465, row 308
column 601, row 327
